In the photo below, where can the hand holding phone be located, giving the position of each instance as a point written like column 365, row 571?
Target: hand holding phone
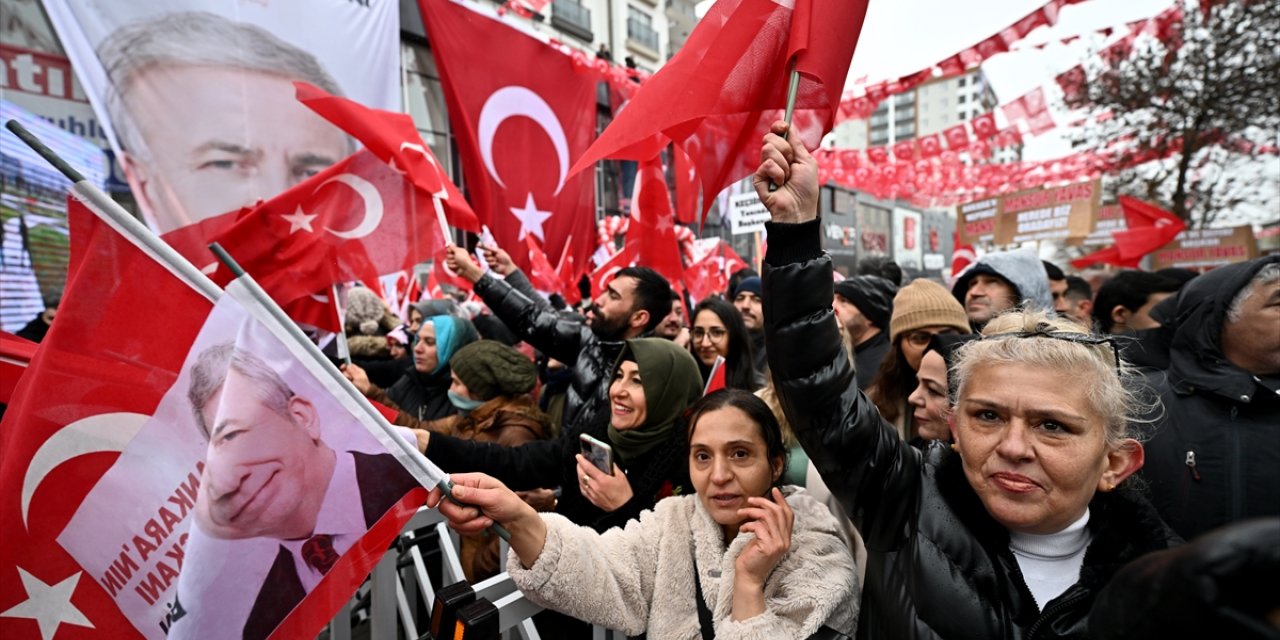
column 598, row 453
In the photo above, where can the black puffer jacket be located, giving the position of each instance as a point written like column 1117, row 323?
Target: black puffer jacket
column 423, row 396
column 938, row 565
column 571, row 342
column 1216, row 416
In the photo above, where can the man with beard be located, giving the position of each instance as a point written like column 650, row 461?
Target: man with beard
column 673, row 327
column 631, row 305
column 747, row 299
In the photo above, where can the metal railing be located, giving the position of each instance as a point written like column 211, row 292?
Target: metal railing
column 642, row 33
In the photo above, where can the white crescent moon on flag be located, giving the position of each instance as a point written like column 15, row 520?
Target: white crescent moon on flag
column 372, row 205
column 513, row 101
column 95, row 434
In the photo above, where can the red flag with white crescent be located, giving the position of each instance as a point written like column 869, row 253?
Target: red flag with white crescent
column 355, row 220
column 522, row 114
column 129, row 511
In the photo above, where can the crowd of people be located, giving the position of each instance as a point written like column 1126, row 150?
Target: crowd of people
column 1019, row 453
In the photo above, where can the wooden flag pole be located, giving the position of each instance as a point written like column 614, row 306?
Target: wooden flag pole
column 793, row 87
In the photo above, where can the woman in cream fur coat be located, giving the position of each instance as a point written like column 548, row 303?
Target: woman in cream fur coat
column 769, row 567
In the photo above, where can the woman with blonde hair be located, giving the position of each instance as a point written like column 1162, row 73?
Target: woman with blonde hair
column 1013, row 530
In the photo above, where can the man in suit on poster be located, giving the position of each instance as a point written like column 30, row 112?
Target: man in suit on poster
column 269, row 475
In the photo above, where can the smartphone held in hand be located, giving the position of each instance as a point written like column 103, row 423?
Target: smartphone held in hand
column 598, row 453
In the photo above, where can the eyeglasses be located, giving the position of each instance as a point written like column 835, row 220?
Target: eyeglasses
column 715, row 333
column 921, row 338
column 1044, row 331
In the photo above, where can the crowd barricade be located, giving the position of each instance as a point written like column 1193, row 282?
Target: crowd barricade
column 396, row 601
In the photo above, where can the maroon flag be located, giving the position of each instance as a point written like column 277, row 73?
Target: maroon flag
column 728, row 84
column 522, row 114
column 353, row 221
column 110, row 523
column 394, row 138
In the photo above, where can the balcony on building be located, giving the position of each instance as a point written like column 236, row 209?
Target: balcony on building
column 641, row 35
column 572, row 18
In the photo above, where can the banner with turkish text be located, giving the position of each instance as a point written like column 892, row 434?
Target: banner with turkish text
column 205, row 480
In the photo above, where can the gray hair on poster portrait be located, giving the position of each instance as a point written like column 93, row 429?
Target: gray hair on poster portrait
column 196, row 38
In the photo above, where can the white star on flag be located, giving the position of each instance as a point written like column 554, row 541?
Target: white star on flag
column 531, row 218
column 300, row 220
column 49, row 606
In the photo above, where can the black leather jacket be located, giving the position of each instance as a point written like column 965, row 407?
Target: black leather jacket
column 572, row 342
column 938, row 565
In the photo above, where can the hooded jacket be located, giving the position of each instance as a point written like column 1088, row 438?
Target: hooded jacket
column 938, row 564
column 1020, row 268
column 640, row 579
column 1214, row 457
column 671, row 382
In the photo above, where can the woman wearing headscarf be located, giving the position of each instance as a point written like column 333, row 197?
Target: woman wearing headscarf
column 1013, row 531
column 422, row 393
column 491, row 390
column 654, row 381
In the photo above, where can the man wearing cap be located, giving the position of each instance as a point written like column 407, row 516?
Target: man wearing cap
column 1001, row 281
column 747, row 298
column 864, row 305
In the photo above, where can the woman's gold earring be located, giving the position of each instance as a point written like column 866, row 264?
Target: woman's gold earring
column 955, row 447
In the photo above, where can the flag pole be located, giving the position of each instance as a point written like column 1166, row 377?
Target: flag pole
column 128, row 226
column 344, row 351
column 423, row 468
column 793, row 87
column 119, row 219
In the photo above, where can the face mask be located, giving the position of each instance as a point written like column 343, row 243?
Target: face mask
column 464, row 404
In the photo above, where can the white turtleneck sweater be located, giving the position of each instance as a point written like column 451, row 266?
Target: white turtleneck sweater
column 1051, row 563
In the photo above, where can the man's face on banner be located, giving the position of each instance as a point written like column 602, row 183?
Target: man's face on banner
column 218, row 139
column 265, row 473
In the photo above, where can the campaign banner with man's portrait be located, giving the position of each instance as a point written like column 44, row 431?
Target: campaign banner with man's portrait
column 247, row 487
column 173, row 466
column 196, row 96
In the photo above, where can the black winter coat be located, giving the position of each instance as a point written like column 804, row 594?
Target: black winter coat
column 424, row 396
column 551, row 463
column 569, row 341
column 1215, row 455
column 938, row 565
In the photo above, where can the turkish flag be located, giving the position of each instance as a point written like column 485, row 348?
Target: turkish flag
column 1149, row 228
column 521, row 114
column 15, row 356
column 104, row 468
column 961, row 256
column 984, row 126
column 353, row 221
column 716, row 377
column 1015, row 111
column 905, row 150
column 394, row 139
column 957, row 137
column 728, row 84
column 541, row 273
column 569, row 276
column 603, row 274
column 687, row 186
column 1033, row 103
column 1073, row 82
column 1040, row 122
column 878, row 155
column 706, row 277
column 652, row 227
column 930, row 145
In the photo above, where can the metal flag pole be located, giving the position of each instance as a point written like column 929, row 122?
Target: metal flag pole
column 793, row 87
column 125, row 224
